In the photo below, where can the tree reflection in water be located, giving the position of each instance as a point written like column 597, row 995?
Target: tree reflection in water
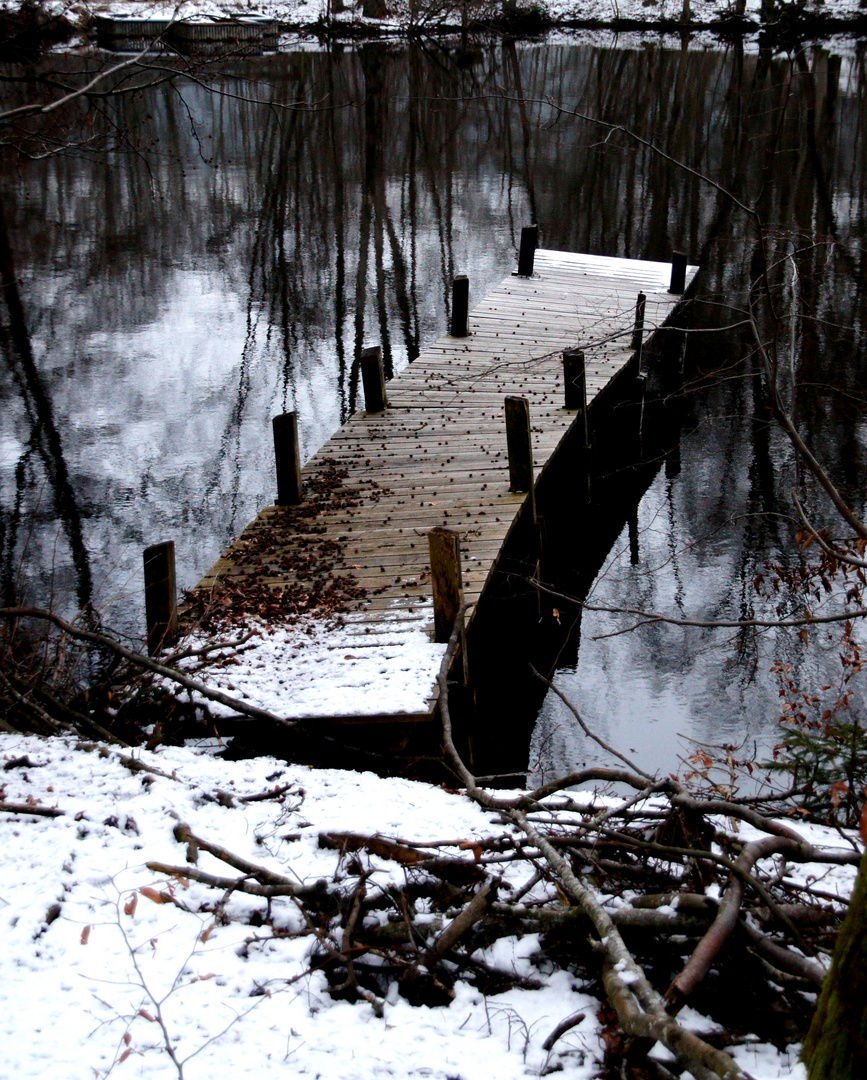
column 173, row 299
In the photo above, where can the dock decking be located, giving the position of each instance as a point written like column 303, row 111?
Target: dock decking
column 437, row 456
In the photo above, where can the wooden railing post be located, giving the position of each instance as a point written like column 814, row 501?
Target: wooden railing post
column 575, row 379
column 290, row 489
column 527, row 253
column 161, row 596
column 638, row 332
column 460, row 305
column 373, row 378
column 678, row 272
column 519, row 443
column 575, row 386
column 445, row 570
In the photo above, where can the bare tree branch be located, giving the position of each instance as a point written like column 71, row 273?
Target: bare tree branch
column 141, row 661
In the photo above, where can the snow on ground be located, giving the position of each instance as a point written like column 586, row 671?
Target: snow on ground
column 84, row 951
column 69, row 989
column 361, row 668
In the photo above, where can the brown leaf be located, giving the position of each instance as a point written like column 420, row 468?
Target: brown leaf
column 85, row 935
column 130, row 906
column 127, row 1038
column 206, row 933
column 147, row 1016
column 152, row 894
column 838, row 788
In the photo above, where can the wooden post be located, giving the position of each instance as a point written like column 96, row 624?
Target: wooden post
column 678, row 272
column 529, row 243
column 638, row 332
column 575, row 379
column 575, row 385
column 161, row 596
column 290, row 489
column 445, row 572
column 519, row 444
column 460, row 305
column 373, row 377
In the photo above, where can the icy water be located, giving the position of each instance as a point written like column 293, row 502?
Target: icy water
column 229, row 255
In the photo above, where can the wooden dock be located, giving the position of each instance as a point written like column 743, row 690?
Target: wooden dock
column 437, row 456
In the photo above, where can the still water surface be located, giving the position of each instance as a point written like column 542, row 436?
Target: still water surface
column 229, row 259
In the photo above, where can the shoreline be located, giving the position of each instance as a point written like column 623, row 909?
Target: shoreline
column 55, row 26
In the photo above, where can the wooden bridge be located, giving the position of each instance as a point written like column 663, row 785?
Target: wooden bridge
column 341, row 580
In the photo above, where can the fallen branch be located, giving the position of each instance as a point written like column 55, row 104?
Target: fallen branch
column 241, row 884
column 460, row 925
column 640, row 1008
column 145, row 662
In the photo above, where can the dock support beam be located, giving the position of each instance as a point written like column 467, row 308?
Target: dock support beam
column 519, row 443
column 527, row 254
column 460, row 305
column 290, row 489
column 445, row 571
column 373, row 378
column 678, row 273
column 161, row 596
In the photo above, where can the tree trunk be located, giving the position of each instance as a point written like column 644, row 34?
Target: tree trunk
column 836, row 1044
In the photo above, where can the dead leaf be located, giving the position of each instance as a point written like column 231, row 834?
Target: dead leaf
column 838, row 788
column 152, row 894
column 130, row 906
column 85, row 935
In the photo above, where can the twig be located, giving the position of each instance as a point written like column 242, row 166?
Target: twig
column 32, row 809
column 587, row 731
column 565, row 1025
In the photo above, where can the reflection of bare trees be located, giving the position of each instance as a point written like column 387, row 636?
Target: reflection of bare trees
column 780, row 153
column 44, row 443
column 343, row 224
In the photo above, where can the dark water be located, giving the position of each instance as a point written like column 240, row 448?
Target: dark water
column 226, row 258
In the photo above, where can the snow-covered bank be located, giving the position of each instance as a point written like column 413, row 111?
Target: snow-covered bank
column 72, row 1002
column 92, row 941
column 375, row 17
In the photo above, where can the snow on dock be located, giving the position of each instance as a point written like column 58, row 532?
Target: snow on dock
column 337, row 588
